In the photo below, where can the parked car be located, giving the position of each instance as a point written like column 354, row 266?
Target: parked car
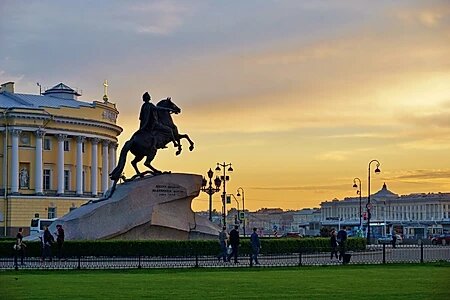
column 388, row 239
column 443, row 239
column 292, row 235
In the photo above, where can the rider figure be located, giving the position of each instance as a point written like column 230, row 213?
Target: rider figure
column 149, row 119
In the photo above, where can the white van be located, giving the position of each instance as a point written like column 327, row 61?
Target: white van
column 37, row 225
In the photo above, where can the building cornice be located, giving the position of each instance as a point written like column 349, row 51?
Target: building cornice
column 63, row 120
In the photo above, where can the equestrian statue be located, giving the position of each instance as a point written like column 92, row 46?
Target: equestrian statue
column 156, row 130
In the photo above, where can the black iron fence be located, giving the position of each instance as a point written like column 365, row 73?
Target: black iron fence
column 375, row 254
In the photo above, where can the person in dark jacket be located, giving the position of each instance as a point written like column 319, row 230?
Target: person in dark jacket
column 333, row 244
column 19, row 248
column 234, row 242
column 60, row 240
column 342, row 240
column 394, row 239
column 256, row 246
column 47, row 240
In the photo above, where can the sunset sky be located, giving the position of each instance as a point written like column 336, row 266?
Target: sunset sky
column 298, row 95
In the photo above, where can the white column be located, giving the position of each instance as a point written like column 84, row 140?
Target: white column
column 60, row 164
column 105, row 171
column 94, row 166
column 80, row 140
column 112, row 159
column 38, row 164
column 15, row 161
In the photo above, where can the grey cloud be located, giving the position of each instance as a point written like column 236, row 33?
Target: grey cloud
column 422, row 175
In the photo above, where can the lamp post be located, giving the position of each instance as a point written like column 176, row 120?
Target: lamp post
column 210, row 190
column 238, row 207
column 358, row 186
column 243, row 206
column 224, row 180
column 368, row 205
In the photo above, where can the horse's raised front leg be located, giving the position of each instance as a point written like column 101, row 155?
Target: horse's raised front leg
column 191, row 143
column 179, row 148
column 134, row 162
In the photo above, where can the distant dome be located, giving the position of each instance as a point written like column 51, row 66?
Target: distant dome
column 62, row 91
column 384, row 193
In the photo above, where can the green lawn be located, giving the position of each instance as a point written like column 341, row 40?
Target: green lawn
column 381, row 282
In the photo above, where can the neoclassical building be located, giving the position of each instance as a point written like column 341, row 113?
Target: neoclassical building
column 413, row 215
column 55, row 153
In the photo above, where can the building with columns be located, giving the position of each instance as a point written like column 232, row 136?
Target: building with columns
column 413, row 215
column 56, row 153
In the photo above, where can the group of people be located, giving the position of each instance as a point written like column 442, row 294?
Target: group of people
column 47, row 240
column 338, row 242
column 229, row 245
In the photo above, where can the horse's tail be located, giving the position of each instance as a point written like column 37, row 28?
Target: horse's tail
column 117, row 172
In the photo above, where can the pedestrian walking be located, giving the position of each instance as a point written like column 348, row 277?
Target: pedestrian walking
column 234, row 242
column 60, row 241
column 223, row 238
column 333, row 244
column 256, row 246
column 342, row 241
column 19, row 248
column 47, row 240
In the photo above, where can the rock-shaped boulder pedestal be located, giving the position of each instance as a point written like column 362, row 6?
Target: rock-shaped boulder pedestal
column 153, row 207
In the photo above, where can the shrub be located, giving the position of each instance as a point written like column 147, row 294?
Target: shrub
column 179, row 248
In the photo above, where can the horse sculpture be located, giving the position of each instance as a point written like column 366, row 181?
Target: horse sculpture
column 144, row 144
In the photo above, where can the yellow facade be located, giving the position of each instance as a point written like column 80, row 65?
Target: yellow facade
column 52, row 179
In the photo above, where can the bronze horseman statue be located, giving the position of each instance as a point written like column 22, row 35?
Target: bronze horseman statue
column 156, row 130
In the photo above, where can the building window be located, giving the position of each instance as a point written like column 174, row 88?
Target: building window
column 47, row 144
column 47, row 179
column 66, row 145
column 66, row 180
column 51, row 212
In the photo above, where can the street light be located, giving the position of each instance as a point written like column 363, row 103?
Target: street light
column 238, row 207
column 243, row 206
column 368, row 205
column 358, row 186
column 210, row 190
column 224, row 179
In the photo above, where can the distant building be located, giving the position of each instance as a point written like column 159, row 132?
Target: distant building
column 414, row 215
column 55, row 153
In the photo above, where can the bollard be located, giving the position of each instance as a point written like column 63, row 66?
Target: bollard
column 79, row 262
column 384, row 253
column 139, row 265
column 251, row 260
column 300, row 258
column 421, row 252
column 196, row 260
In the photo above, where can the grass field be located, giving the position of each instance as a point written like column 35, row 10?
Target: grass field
column 337, row 282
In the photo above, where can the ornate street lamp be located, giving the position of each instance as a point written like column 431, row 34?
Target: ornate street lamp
column 224, row 179
column 210, row 190
column 368, row 205
column 358, row 186
column 243, row 206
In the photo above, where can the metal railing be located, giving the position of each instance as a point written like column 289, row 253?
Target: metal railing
column 376, row 254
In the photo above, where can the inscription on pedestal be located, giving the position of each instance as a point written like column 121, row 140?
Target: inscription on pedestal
column 164, row 190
